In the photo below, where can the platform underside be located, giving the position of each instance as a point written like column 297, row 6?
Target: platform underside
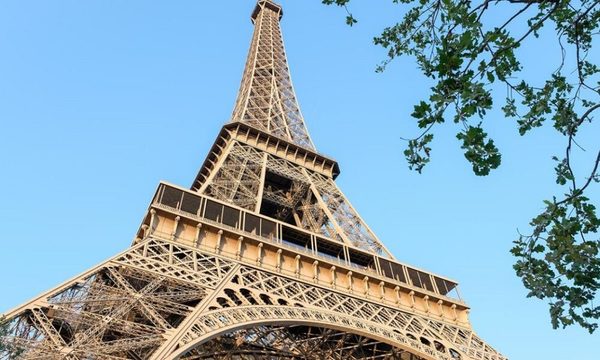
column 295, row 342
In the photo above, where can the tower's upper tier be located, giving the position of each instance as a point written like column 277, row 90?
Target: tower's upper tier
column 261, row 4
column 266, row 99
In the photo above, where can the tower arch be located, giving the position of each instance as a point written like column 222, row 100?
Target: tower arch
column 252, row 320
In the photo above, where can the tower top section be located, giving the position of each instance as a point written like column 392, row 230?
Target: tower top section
column 266, row 100
column 260, row 5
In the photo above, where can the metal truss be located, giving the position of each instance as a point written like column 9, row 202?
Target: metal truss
column 404, row 325
column 299, row 196
column 353, row 228
column 121, row 309
column 286, row 270
column 266, row 99
column 223, row 321
column 238, row 178
column 295, row 342
column 164, row 300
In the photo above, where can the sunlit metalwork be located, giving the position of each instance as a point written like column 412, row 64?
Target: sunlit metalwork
column 263, row 258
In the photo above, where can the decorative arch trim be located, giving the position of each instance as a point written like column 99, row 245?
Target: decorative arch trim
column 217, row 322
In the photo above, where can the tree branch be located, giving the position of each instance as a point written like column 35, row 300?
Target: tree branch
column 578, row 192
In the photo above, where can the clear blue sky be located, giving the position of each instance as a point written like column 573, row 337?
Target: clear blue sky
column 99, row 100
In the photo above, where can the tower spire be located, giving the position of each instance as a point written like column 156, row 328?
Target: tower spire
column 266, row 99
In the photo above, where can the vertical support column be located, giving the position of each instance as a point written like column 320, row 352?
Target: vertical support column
column 378, row 266
column 397, row 291
column 198, row 232
column 333, row 275
column 238, row 253
column 412, row 299
column 145, row 231
column 175, row 226
column 261, row 186
column 278, row 266
column 346, row 254
column 297, row 271
column 152, row 220
column 349, row 275
column 313, row 244
column 259, row 255
column 218, row 244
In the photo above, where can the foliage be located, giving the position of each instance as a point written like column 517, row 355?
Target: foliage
column 7, row 349
column 3, row 333
column 4, row 347
column 467, row 52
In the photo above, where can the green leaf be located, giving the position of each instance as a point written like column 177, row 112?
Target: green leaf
column 479, row 150
column 350, row 20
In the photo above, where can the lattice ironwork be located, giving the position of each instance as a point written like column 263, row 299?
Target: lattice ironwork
column 412, row 325
column 298, row 196
column 353, row 228
column 266, row 99
column 295, row 342
column 244, row 265
column 238, row 179
column 126, row 310
column 122, row 309
column 213, row 323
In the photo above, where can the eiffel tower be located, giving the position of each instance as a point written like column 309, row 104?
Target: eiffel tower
column 262, row 258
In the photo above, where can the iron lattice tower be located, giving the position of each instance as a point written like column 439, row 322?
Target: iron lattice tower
column 263, row 258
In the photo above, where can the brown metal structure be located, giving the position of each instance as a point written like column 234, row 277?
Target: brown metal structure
column 263, row 258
